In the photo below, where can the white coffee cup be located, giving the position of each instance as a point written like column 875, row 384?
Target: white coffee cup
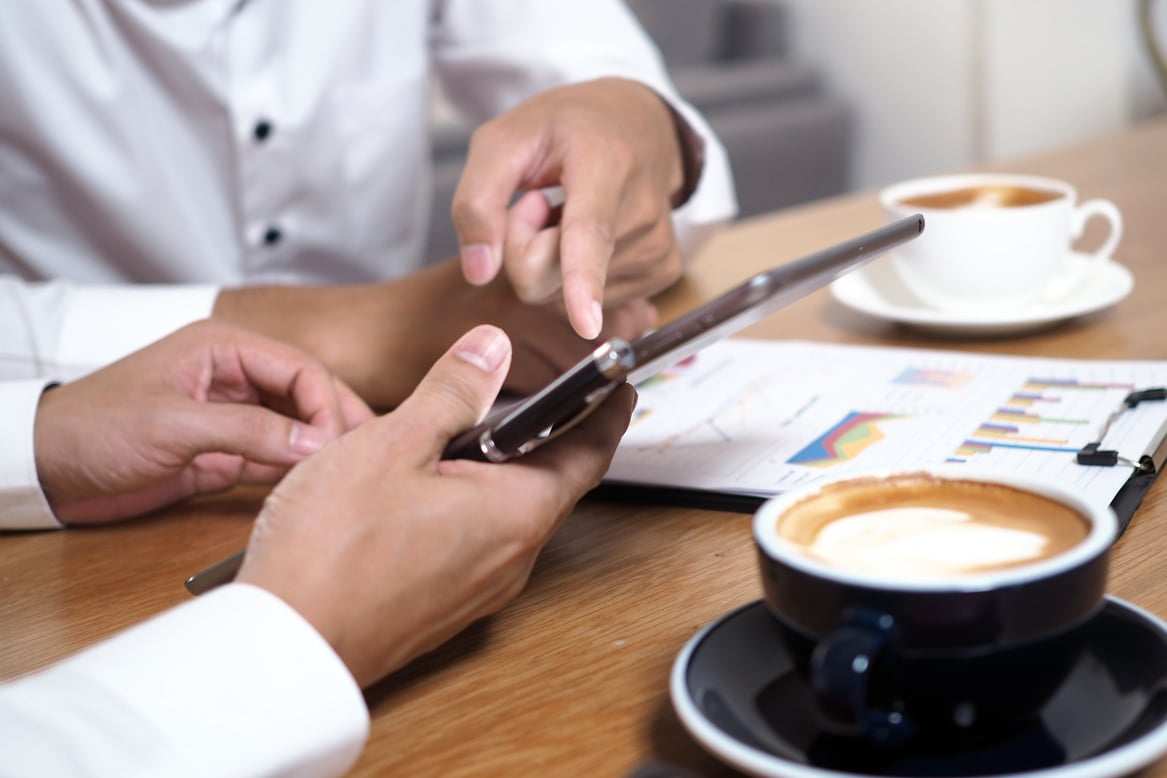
column 994, row 241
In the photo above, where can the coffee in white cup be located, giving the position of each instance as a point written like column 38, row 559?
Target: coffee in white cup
column 995, row 241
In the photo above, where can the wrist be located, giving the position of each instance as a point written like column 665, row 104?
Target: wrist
column 688, row 158
column 691, row 149
column 372, row 336
column 50, row 445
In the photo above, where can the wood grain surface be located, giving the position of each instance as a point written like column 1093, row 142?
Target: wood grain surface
column 572, row 678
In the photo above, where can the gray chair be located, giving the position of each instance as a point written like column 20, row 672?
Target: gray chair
column 788, row 140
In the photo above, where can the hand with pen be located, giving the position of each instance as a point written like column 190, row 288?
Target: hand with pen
column 367, row 504
column 388, row 549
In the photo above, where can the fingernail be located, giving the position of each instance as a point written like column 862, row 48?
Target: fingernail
column 485, row 348
column 307, row 440
column 478, row 263
column 593, row 321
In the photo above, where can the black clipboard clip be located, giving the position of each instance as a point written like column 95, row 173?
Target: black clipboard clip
column 1094, row 454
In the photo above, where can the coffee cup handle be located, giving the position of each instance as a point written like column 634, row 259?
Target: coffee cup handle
column 1107, row 210
column 1078, row 218
column 842, row 666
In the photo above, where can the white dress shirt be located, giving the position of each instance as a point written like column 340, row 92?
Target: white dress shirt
column 22, row 502
column 233, row 683
column 152, row 152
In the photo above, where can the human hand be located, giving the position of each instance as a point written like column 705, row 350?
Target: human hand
column 208, row 407
column 614, row 147
column 543, row 343
column 388, row 550
column 382, row 338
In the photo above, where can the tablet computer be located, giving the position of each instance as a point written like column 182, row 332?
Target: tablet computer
column 516, row 428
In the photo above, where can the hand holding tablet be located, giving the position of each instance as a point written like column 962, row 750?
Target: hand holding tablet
column 516, row 429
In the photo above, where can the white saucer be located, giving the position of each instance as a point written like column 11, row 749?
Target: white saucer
column 875, row 289
column 735, row 690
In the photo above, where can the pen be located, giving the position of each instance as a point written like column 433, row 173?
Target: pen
column 510, row 432
column 217, row 574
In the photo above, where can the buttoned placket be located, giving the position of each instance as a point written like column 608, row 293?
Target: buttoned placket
column 264, row 176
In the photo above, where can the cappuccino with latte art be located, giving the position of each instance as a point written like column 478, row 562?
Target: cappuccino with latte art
column 917, row 526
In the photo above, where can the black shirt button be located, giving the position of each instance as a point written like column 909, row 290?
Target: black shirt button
column 263, row 128
column 272, row 236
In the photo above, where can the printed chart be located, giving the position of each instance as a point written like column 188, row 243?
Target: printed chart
column 760, row 417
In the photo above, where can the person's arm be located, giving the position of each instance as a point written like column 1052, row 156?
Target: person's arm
column 378, row 544
column 382, row 338
column 234, row 683
column 204, row 409
column 643, row 178
column 436, row 543
column 64, row 330
column 491, row 60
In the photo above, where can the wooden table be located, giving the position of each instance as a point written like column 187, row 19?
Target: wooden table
column 572, row 678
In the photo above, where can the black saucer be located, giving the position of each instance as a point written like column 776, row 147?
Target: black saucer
column 735, row 691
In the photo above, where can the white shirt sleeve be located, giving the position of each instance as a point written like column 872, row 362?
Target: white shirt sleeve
column 233, row 683
column 491, row 56
column 22, row 503
column 66, row 330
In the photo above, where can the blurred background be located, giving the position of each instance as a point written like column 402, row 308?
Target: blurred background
column 815, row 98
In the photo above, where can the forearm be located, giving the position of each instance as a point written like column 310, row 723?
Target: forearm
column 379, row 338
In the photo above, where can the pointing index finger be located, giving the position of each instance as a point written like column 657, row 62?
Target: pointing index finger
column 591, row 204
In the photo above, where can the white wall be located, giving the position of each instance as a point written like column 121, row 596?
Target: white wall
column 938, row 84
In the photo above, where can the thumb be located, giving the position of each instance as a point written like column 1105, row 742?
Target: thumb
column 459, row 389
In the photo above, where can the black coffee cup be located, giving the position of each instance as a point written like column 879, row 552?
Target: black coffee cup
column 938, row 604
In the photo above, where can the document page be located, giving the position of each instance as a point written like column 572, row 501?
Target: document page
column 761, row 417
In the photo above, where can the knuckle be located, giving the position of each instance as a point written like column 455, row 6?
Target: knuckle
column 466, row 208
column 486, row 136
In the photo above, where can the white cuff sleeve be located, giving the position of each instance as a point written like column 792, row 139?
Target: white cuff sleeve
column 233, row 683
column 22, row 503
column 714, row 202
column 102, row 324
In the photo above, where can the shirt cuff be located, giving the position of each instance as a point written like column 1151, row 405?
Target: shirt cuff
column 713, row 203
column 233, row 683
column 102, row 324
column 22, row 502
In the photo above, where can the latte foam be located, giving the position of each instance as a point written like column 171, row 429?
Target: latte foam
column 917, row 526
column 923, row 542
